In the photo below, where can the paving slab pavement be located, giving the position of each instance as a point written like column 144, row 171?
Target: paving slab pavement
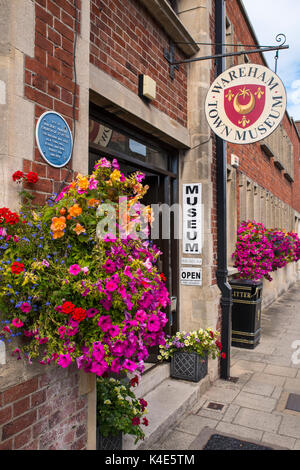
column 254, row 407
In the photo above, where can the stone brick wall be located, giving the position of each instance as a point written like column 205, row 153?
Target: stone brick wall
column 50, row 81
column 125, row 42
column 44, row 413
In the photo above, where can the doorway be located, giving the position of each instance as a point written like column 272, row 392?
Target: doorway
column 135, row 151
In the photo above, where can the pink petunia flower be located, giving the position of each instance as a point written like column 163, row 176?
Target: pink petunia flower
column 17, row 323
column 74, row 269
column 64, row 360
column 25, row 307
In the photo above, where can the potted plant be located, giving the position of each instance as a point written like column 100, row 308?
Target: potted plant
column 119, row 412
column 189, row 353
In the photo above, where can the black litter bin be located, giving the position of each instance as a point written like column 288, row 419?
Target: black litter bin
column 246, row 313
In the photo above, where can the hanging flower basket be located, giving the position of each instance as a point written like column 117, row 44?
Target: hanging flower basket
column 188, row 366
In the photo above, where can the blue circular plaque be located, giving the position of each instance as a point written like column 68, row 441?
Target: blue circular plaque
column 54, row 139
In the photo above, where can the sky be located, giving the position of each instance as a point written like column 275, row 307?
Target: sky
column 272, row 17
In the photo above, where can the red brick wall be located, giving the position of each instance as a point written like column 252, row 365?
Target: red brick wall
column 253, row 162
column 125, row 42
column 49, row 80
column 44, row 413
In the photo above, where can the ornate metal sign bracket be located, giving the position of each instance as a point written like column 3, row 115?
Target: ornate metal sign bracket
column 170, row 55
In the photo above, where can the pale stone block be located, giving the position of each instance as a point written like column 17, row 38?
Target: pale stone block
column 257, row 420
column 239, row 431
column 221, row 395
column 23, row 26
column 193, row 424
column 297, row 445
column 293, row 385
column 277, row 440
column 290, row 426
column 176, row 440
column 269, row 379
column 249, row 366
column 282, row 371
column 259, row 388
column 256, row 402
column 21, row 133
column 230, row 413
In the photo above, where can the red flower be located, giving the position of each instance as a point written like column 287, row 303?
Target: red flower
column 32, row 177
column 223, row 355
column 145, row 421
column 134, row 381
column 12, row 218
column 211, row 334
column 219, row 345
column 17, row 268
column 163, row 277
column 4, row 213
column 79, row 314
column 18, row 175
column 135, row 421
column 143, row 403
column 67, row 308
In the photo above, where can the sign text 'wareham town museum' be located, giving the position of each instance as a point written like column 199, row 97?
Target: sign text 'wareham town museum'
column 118, row 82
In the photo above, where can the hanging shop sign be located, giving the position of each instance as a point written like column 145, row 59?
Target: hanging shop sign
column 245, row 104
column 191, row 218
column 191, row 276
column 54, row 139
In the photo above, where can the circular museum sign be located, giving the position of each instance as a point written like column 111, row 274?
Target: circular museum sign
column 245, row 104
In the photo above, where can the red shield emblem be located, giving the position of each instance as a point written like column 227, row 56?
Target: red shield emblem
column 244, row 104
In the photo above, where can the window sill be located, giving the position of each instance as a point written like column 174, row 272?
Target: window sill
column 167, row 18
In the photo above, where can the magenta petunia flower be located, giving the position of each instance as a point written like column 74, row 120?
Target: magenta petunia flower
column 91, row 312
column 17, row 323
column 25, row 307
column 153, row 323
column 105, row 323
column 64, row 360
column 74, row 269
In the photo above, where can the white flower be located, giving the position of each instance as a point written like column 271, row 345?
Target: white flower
column 107, row 402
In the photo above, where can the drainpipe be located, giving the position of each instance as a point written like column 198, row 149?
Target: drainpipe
column 221, row 155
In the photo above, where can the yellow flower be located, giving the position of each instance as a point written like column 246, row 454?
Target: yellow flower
column 83, row 183
column 115, row 176
column 79, row 229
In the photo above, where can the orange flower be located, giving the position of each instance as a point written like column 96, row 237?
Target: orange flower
column 62, row 211
column 79, row 229
column 93, row 202
column 58, row 234
column 75, row 210
column 58, row 224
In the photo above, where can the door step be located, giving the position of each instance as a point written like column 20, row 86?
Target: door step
column 167, row 404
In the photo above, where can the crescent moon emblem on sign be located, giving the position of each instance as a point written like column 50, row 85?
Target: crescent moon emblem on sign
column 244, row 108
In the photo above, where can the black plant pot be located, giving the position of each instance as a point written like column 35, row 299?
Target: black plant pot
column 246, row 313
column 188, row 366
column 110, row 442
